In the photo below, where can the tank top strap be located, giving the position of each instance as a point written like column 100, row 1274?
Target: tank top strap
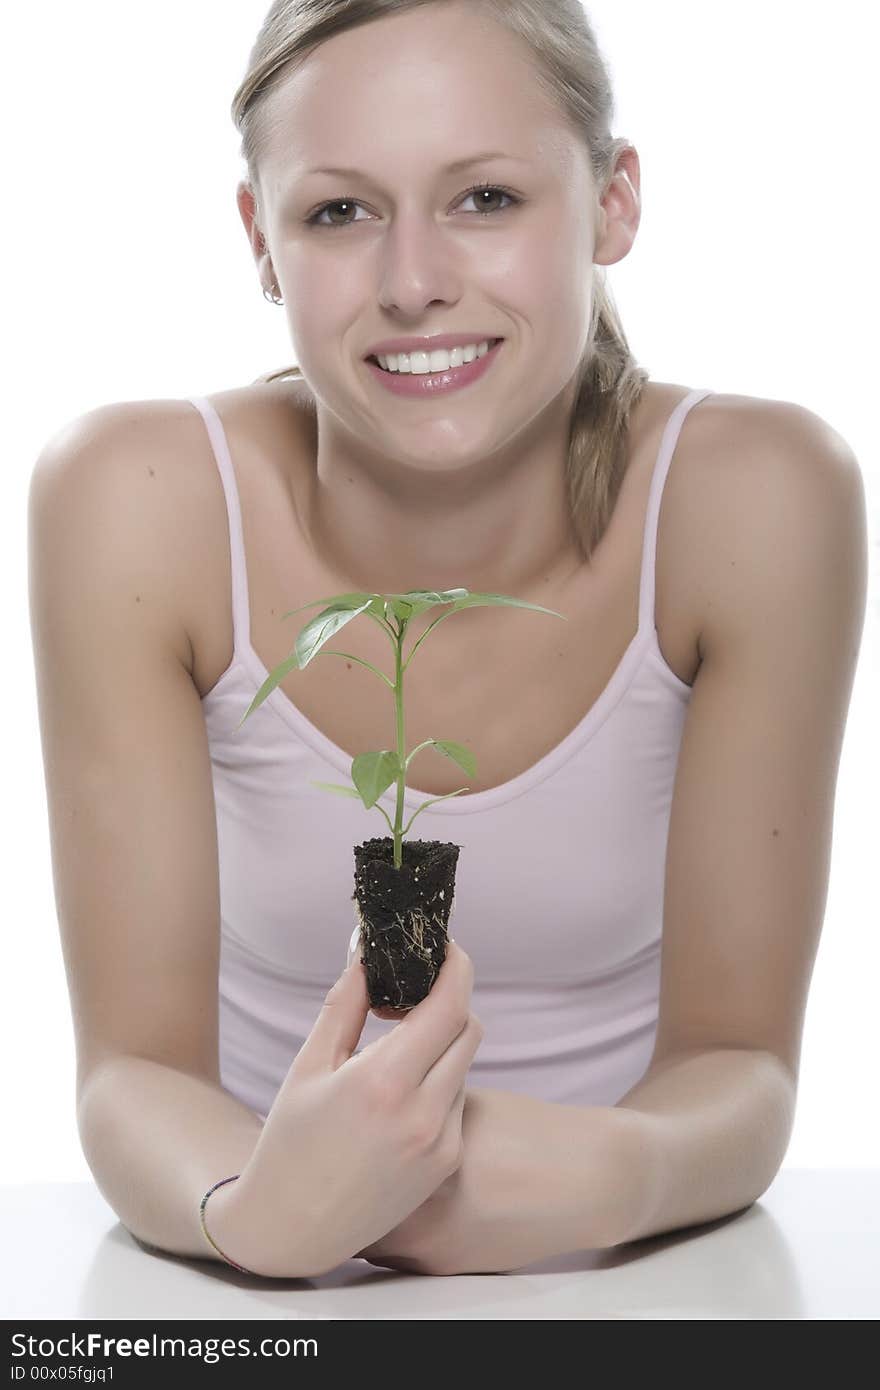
column 238, row 566
column 655, row 494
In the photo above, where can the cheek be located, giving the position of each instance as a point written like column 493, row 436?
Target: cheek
column 320, row 310
column 311, row 266
column 569, row 293
column 544, row 288
column 555, row 306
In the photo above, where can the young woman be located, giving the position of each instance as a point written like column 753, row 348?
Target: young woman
column 645, row 849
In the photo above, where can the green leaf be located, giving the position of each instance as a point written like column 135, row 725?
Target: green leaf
column 343, row 608
column 274, row 678
column 402, row 610
column 335, row 787
column 335, row 599
column 421, row 599
column 417, row 601
column 373, row 773
column 430, row 596
column 458, row 753
column 327, row 624
column 479, row 600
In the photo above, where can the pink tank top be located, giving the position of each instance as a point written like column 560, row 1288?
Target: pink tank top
column 566, row 960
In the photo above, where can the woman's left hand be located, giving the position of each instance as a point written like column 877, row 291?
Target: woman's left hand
column 526, row 1190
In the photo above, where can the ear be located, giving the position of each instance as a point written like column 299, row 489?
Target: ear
column 247, row 207
column 620, row 210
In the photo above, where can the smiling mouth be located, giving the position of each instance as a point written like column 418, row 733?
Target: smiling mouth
column 493, row 343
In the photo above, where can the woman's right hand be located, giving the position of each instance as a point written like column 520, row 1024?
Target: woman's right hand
column 354, row 1141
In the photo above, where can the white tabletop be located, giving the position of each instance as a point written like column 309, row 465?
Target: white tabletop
column 809, row 1248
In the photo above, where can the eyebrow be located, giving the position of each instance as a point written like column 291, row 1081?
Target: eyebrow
column 454, row 168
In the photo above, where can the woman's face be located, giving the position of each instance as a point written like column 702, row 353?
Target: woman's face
column 396, row 243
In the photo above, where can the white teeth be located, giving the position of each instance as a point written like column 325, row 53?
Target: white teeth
column 422, row 362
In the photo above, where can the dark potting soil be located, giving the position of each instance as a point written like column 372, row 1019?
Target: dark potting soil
column 403, row 915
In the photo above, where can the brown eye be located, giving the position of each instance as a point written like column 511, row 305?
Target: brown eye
column 489, row 190
column 328, row 207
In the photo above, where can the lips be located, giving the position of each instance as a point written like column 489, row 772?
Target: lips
column 432, row 385
column 373, row 357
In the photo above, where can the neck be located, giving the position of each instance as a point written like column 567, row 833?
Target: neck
column 499, row 522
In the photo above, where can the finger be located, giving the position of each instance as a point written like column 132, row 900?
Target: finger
column 429, row 1028
column 338, row 1027
column 444, row 1085
column 387, row 1012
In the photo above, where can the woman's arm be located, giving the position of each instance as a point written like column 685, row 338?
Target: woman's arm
column 156, row 1139
column 131, row 817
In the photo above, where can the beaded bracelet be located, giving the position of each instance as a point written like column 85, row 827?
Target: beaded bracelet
column 202, row 1206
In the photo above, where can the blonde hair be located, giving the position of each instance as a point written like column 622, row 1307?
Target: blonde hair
column 571, row 70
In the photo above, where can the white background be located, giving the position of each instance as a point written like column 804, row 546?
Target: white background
column 127, row 275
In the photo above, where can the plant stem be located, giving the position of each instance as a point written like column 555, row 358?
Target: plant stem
column 401, row 745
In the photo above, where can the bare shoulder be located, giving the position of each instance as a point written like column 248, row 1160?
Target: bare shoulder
column 753, row 476
column 148, row 466
column 142, row 466
column 753, row 429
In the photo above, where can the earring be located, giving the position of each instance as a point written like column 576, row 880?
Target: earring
column 271, row 295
